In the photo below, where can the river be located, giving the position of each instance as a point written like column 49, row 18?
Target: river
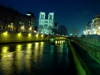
column 35, row 58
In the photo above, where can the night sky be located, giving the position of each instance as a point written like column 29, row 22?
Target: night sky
column 71, row 13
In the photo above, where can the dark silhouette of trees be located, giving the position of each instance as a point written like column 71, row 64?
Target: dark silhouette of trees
column 55, row 31
column 62, row 30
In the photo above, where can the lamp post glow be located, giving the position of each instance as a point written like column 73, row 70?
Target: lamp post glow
column 30, row 28
column 34, row 31
column 70, row 34
column 98, row 27
column 22, row 27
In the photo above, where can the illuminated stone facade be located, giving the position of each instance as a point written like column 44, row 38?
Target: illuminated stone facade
column 97, row 24
column 45, row 26
column 89, row 28
column 93, row 27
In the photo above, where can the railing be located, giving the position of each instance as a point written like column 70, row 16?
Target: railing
column 92, row 47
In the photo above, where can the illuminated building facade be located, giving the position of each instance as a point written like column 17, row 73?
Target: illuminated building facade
column 93, row 27
column 97, row 24
column 31, row 17
column 45, row 26
column 89, row 28
column 11, row 20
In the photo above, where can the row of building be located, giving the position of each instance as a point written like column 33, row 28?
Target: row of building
column 93, row 27
column 12, row 20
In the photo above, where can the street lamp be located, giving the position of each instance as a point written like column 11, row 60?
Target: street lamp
column 22, row 27
column 34, row 31
column 98, row 27
column 70, row 34
column 30, row 28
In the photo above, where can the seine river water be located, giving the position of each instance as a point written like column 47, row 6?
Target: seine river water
column 37, row 58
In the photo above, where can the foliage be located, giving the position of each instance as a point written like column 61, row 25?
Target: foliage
column 62, row 30
column 55, row 31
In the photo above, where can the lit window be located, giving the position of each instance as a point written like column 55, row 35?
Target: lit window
column 8, row 26
column 28, row 14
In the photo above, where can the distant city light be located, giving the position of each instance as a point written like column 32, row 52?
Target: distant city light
column 28, row 14
column 41, row 31
column 6, row 32
column 22, row 27
column 30, row 28
column 98, row 27
column 70, row 34
column 34, row 31
column 94, row 32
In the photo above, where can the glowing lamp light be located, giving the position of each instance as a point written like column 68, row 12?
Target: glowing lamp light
column 22, row 27
column 94, row 32
column 6, row 32
column 55, row 41
column 29, row 34
column 41, row 31
column 42, row 42
column 98, row 27
column 30, row 28
column 70, row 34
column 36, row 35
column 5, row 49
column 34, row 31
column 19, row 34
column 42, row 35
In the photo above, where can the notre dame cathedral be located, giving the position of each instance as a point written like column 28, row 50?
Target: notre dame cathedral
column 45, row 26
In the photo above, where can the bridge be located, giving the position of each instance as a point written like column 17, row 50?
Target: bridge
column 84, row 50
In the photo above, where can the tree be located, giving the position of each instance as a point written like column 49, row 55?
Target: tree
column 75, row 31
column 62, row 30
column 55, row 31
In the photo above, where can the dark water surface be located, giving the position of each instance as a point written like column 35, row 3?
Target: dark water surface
column 38, row 58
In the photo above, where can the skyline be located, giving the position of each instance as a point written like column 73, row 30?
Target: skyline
column 71, row 13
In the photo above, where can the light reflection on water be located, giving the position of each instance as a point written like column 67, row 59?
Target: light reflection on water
column 19, row 58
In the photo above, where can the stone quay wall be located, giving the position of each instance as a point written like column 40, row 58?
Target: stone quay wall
column 9, row 37
column 91, row 45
